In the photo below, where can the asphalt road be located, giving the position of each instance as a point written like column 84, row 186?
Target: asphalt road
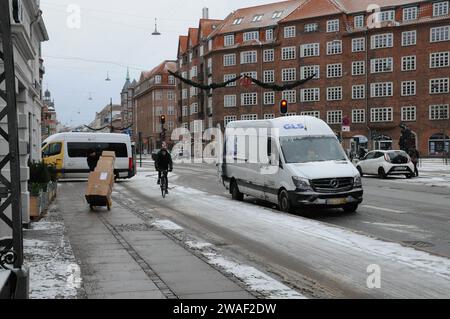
column 393, row 209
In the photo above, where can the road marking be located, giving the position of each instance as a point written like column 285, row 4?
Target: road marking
column 384, row 209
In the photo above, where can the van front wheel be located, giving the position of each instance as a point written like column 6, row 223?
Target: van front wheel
column 235, row 193
column 284, row 203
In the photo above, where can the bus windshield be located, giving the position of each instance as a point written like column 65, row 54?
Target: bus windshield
column 311, row 149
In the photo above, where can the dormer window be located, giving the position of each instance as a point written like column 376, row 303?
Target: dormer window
column 258, row 18
column 238, row 21
column 440, row 8
column 387, row 15
column 158, row 79
column 277, row 14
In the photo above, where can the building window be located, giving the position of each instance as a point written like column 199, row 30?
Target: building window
column 310, row 49
column 288, row 53
column 269, row 76
column 383, row 89
column 409, row 114
column 334, row 93
column 269, row 34
column 383, row 114
column 269, row 55
column 358, row 92
column 249, row 117
column 238, row 21
column 277, row 14
column 170, row 95
column 291, row 114
column 310, row 95
column 251, row 74
column 248, row 99
column 439, row 112
column 288, row 75
column 381, row 41
column 249, row 57
column 229, row 100
column 258, row 18
column 228, row 119
column 409, row 63
column 409, row 38
column 228, row 77
column 290, row 96
column 171, row 110
column 289, row 32
column 310, row 70
column 158, row 79
column 382, row 65
column 410, row 13
column 440, row 34
column 194, row 108
column 311, row 27
column 440, row 8
column 334, row 47
column 439, row 86
column 229, row 59
column 408, row 88
column 269, row 98
column 334, row 117
column 158, row 95
column 193, row 72
column 358, row 45
column 229, row 40
column 359, row 22
column 250, row 36
column 334, row 70
column 270, row 116
column 184, row 94
column 358, row 116
column 388, row 15
column 171, row 80
column 185, row 111
column 333, row 25
column 311, row 113
column 439, row 60
column 358, row 68
column 193, row 91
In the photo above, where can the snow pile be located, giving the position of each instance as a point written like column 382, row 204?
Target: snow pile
column 54, row 272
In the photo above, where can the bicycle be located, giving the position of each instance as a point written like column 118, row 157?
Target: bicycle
column 164, row 183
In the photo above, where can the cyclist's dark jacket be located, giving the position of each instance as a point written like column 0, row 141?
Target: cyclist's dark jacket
column 163, row 162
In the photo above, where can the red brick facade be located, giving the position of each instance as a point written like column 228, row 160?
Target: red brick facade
column 379, row 117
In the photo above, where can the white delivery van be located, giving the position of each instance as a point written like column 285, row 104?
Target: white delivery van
column 68, row 152
column 299, row 163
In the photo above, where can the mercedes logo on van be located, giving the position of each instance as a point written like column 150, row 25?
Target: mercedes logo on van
column 334, row 183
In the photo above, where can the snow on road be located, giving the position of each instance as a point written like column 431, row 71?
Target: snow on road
column 338, row 254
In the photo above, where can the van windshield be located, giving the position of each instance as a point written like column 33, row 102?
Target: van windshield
column 311, row 149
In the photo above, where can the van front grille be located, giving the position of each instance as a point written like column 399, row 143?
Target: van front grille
column 332, row 185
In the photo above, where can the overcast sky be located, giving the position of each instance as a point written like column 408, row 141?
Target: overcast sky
column 112, row 35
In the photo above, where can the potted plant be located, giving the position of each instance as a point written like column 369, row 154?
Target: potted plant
column 35, row 200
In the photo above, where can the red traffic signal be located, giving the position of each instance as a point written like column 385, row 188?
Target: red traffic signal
column 163, row 119
column 284, row 105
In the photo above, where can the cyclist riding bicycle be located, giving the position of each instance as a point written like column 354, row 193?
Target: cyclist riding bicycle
column 163, row 162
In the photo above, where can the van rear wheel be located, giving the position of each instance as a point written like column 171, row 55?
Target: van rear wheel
column 235, row 193
column 284, row 203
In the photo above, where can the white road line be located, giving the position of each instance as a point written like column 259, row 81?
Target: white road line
column 384, row 209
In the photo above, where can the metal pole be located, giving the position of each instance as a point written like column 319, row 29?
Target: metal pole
column 140, row 148
column 112, row 127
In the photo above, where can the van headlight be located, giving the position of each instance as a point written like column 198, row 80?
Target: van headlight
column 358, row 182
column 302, row 184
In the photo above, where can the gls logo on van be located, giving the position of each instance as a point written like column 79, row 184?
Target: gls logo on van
column 294, row 127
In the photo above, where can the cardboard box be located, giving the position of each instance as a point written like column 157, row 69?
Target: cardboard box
column 105, row 163
column 100, row 184
column 109, row 154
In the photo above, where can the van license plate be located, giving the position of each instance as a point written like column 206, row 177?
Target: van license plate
column 337, row 201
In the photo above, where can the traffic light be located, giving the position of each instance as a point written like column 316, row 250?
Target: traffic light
column 284, row 107
column 163, row 119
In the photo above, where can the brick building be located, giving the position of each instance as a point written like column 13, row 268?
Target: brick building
column 375, row 74
column 49, row 122
column 154, row 96
column 126, row 98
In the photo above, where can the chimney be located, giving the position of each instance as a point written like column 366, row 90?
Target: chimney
column 205, row 14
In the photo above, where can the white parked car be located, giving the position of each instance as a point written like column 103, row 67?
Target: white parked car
column 386, row 163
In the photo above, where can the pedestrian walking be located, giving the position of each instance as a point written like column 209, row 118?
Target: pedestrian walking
column 92, row 159
column 415, row 158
